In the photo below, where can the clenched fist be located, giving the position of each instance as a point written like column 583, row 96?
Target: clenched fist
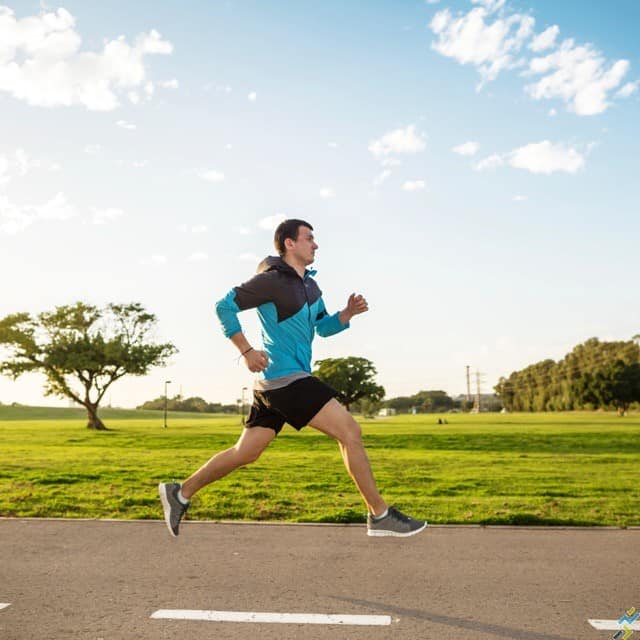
column 256, row 361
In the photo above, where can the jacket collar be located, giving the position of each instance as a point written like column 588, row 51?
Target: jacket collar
column 276, row 263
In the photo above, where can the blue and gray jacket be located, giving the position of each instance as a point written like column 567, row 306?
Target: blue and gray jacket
column 290, row 309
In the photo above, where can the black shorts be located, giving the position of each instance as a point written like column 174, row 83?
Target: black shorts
column 296, row 404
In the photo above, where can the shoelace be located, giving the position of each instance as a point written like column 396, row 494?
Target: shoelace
column 399, row 515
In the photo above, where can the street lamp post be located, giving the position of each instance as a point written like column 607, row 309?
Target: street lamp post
column 166, row 382
column 243, row 401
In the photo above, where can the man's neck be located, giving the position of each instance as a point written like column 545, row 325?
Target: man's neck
column 299, row 268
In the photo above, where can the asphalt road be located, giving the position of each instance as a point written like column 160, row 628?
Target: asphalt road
column 98, row 579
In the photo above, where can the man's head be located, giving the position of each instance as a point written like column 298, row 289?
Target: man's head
column 293, row 239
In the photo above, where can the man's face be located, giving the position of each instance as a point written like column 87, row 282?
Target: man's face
column 304, row 248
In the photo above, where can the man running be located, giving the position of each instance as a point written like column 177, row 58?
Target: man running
column 291, row 311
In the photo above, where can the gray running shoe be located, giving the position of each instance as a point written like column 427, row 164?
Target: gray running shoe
column 395, row 523
column 173, row 508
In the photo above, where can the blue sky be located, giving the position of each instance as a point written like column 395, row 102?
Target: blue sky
column 468, row 166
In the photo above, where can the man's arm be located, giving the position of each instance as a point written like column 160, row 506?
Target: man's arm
column 256, row 361
column 355, row 305
column 249, row 295
column 328, row 325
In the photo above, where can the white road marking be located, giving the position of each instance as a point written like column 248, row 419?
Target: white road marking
column 612, row 625
column 4, row 605
column 282, row 618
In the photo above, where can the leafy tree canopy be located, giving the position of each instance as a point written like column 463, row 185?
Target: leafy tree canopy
column 82, row 349
column 352, row 378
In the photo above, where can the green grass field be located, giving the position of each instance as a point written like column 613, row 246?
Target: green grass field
column 534, row 469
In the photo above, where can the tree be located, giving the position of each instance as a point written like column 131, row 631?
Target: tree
column 433, row 401
column 82, row 349
column 593, row 375
column 352, row 378
column 616, row 384
column 369, row 408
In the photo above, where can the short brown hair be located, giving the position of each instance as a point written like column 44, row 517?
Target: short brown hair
column 288, row 229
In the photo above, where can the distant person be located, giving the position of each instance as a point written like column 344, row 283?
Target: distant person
column 291, row 310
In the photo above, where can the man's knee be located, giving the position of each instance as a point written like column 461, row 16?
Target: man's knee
column 351, row 431
column 247, row 455
column 249, row 450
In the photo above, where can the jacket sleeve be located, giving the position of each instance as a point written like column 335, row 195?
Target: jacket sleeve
column 327, row 325
column 248, row 295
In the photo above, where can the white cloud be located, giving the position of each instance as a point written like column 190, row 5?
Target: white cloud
column 398, row 141
column 491, row 162
column 413, row 185
column 55, row 209
column 123, row 124
column 271, row 222
column 432, row 1
column 19, row 164
column 546, row 157
column 134, row 97
column 390, row 161
column 578, row 75
column 467, row 149
column 628, row 90
column 41, row 62
column 102, row 216
column 253, row 96
column 93, row 149
column 15, row 218
column 333, row 145
column 490, row 47
column 326, row 193
column 169, row 84
column 199, row 256
column 519, row 198
column 490, row 5
column 211, row 175
column 553, row 113
column 25, row 162
column 243, row 231
column 381, row 177
column 540, row 157
column 545, row 40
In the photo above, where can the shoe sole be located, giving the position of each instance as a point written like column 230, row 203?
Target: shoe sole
column 166, row 507
column 381, row 533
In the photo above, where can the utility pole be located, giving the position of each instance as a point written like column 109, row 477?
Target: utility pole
column 244, row 389
column 166, row 382
column 468, row 385
column 476, row 402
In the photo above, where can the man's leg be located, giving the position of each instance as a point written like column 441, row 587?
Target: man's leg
column 251, row 444
column 334, row 420
column 175, row 497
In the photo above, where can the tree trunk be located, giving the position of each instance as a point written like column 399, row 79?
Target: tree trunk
column 94, row 422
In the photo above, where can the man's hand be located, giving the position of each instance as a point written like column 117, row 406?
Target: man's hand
column 256, row 361
column 355, row 305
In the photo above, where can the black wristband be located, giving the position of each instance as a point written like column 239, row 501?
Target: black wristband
column 247, row 351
